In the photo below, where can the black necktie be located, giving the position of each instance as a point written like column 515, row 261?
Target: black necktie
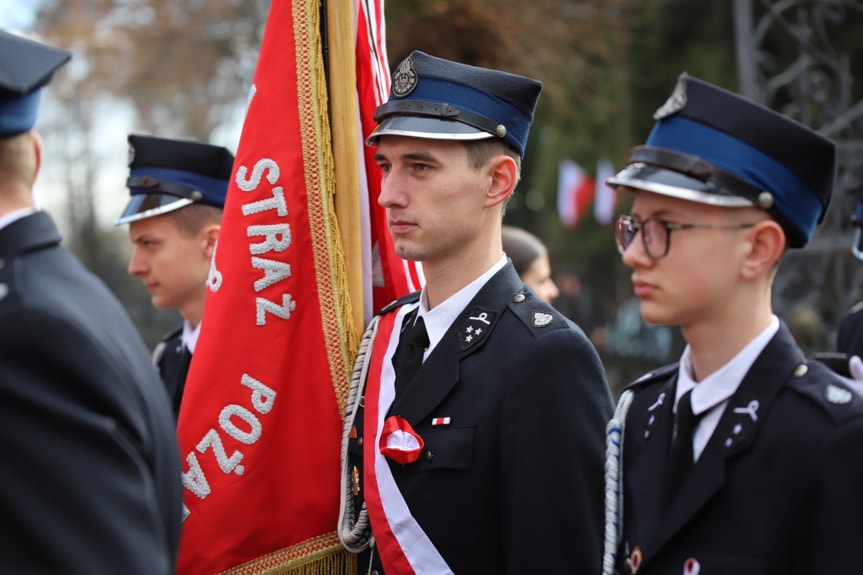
column 682, row 457
column 182, row 375
column 408, row 358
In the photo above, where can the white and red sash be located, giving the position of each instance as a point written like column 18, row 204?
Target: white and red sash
column 403, row 546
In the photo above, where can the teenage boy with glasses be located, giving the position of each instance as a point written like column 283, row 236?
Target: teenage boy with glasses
column 743, row 457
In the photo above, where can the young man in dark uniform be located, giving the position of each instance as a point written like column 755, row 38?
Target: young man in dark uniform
column 744, row 457
column 489, row 459
column 91, row 470
column 178, row 190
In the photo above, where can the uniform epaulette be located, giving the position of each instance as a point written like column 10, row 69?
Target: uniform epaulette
column 538, row 316
column 159, row 350
column 412, row 297
column 821, row 385
column 660, row 373
column 173, row 333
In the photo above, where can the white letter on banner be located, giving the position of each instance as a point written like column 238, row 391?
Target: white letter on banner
column 278, row 238
column 194, row 479
column 247, row 437
column 277, row 202
column 263, row 305
column 274, row 272
column 252, row 183
column 226, row 464
column 262, row 396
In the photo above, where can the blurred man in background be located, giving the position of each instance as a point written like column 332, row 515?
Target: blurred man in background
column 178, row 190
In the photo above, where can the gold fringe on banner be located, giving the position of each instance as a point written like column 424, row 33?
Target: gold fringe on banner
column 322, row 555
column 341, row 338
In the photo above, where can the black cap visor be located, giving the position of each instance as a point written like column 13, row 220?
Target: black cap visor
column 428, row 128
column 641, row 176
column 143, row 206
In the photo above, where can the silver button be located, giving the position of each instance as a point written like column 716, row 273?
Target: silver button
column 518, row 298
column 801, row 370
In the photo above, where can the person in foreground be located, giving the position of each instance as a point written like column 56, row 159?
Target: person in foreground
column 91, row 468
column 489, row 459
column 177, row 191
column 743, row 457
column 530, row 258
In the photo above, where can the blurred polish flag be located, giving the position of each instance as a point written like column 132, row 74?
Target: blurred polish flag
column 575, row 191
column 605, row 203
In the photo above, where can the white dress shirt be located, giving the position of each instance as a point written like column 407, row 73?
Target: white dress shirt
column 710, row 395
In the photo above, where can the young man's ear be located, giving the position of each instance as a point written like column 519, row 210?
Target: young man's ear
column 767, row 244
column 37, row 148
column 504, row 177
column 211, row 235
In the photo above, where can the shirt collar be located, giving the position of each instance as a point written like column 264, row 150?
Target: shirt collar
column 190, row 335
column 720, row 385
column 439, row 319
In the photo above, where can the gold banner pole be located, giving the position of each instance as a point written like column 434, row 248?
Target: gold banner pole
column 345, row 137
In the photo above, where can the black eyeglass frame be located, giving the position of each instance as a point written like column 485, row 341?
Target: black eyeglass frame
column 638, row 226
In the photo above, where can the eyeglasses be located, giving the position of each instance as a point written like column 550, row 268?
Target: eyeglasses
column 656, row 233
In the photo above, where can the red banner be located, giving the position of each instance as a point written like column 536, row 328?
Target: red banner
column 261, row 419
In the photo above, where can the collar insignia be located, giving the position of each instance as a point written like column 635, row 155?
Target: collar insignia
column 477, row 327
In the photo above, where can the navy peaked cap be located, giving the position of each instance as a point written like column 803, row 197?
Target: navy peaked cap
column 712, row 146
column 440, row 99
column 26, row 66
column 166, row 175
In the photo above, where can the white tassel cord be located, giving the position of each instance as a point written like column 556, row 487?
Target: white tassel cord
column 614, row 482
column 355, row 533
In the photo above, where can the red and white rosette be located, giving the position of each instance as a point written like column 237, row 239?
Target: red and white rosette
column 399, row 441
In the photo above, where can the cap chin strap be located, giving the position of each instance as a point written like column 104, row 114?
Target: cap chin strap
column 151, row 183
column 440, row 111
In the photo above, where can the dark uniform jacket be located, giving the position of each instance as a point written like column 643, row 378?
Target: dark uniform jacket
column 777, row 490
column 90, row 479
column 514, row 484
column 172, row 359
column 849, row 338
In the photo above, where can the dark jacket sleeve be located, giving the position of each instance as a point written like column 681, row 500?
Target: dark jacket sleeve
column 90, row 480
column 553, row 453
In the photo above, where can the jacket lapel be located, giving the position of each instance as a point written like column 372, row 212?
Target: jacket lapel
column 439, row 374
column 651, row 433
column 734, row 434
